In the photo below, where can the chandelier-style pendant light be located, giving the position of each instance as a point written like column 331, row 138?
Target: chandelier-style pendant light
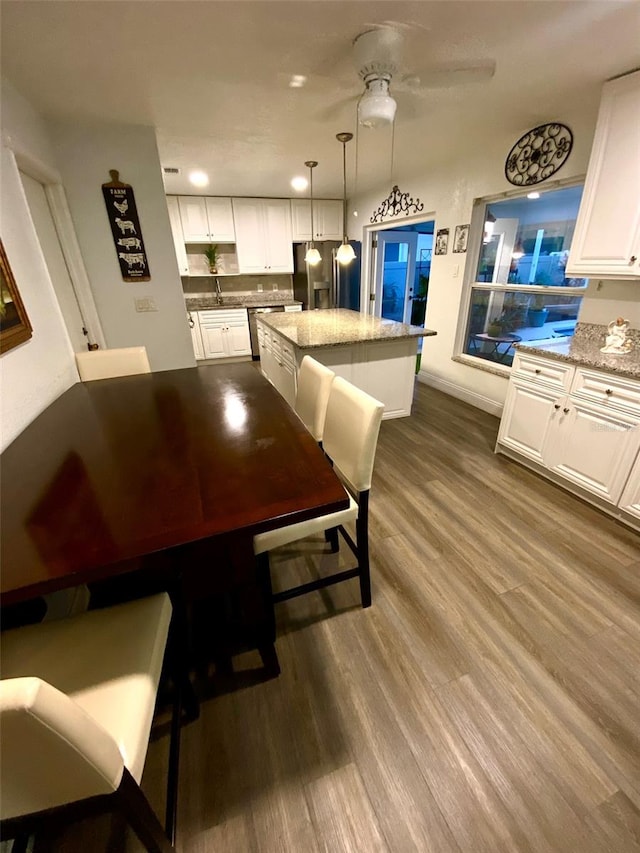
column 345, row 253
column 313, row 255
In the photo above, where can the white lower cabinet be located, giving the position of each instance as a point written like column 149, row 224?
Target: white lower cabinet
column 223, row 333
column 588, row 437
column 630, row 500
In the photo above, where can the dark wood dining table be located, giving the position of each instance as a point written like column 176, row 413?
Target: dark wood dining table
column 189, row 462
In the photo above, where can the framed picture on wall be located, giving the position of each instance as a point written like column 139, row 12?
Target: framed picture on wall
column 15, row 327
column 442, row 241
column 460, row 238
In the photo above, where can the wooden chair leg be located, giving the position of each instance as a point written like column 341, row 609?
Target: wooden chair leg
column 331, row 536
column 141, row 816
column 362, row 538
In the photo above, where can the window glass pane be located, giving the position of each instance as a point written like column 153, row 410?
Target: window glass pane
column 500, row 318
column 527, row 241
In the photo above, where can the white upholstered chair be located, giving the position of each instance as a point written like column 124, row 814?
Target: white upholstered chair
column 77, row 698
column 350, row 437
column 107, row 363
column 312, row 395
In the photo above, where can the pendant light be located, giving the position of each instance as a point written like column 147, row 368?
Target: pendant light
column 313, row 255
column 345, row 253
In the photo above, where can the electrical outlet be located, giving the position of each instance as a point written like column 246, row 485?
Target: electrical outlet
column 145, row 303
column 259, row 287
column 456, row 271
column 274, row 286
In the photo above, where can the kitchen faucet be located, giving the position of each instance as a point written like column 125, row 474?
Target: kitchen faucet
column 218, row 292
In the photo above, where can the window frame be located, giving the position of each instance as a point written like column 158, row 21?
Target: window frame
column 474, row 247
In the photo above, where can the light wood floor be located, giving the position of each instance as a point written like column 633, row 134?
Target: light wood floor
column 487, row 701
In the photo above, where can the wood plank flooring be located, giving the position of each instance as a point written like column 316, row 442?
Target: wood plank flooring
column 489, row 700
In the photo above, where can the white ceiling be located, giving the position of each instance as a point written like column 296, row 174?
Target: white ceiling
column 212, row 76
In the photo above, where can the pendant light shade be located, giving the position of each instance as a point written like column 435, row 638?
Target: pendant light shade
column 313, row 256
column 345, row 253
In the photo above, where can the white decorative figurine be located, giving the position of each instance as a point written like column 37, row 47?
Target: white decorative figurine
column 616, row 341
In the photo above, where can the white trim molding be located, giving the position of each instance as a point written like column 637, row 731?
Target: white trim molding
column 474, row 399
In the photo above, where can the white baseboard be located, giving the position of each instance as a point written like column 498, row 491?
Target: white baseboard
column 471, row 397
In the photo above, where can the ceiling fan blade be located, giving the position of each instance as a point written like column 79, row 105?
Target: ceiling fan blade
column 335, row 110
column 445, row 76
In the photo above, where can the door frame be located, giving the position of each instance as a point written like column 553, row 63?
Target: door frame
column 369, row 255
column 63, row 223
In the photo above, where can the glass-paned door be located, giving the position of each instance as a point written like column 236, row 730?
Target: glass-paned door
column 395, row 274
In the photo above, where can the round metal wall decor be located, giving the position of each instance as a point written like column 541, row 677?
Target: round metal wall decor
column 538, row 154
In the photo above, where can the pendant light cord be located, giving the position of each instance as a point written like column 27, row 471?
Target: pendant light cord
column 345, row 239
column 310, row 165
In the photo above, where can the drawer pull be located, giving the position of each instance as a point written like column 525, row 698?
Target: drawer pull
column 556, row 406
column 632, row 259
column 538, row 370
column 608, row 392
column 566, row 411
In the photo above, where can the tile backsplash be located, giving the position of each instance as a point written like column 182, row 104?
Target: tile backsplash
column 239, row 285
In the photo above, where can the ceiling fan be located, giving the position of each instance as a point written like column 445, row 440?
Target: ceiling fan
column 379, row 59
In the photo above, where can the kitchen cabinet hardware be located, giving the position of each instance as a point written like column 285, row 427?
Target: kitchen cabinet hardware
column 538, row 370
column 566, row 410
column 557, row 406
column 608, row 392
column 632, row 259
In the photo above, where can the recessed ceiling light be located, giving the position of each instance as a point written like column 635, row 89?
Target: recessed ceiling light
column 297, row 81
column 299, row 184
column 533, row 195
column 199, row 179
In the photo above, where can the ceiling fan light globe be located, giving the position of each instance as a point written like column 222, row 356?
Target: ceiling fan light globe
column 376, row 110
column 345, row 254
column 313, row 256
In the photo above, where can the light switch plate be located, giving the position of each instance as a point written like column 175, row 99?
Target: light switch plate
column 145, row 303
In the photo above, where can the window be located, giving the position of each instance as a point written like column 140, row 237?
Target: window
column 520, row 291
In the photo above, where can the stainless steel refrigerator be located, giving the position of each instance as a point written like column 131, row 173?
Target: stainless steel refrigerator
column 327, row 284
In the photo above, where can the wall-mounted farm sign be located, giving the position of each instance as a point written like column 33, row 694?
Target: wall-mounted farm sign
column 125, row 227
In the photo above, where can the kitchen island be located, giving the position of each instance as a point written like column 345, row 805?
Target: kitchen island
column 376, row 355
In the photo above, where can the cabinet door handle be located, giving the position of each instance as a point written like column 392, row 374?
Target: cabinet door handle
column 566, row 411
column 608, row 392
column 632, row 259
column 538, row 370
column 556, row 406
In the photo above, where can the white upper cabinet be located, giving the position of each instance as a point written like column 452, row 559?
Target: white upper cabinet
column 206, row 219
column 178, row 238
column 327, row 219
column 220, row 216
column 263, row 235
column 606, row 242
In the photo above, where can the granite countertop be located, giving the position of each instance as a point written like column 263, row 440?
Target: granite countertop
column 207, row 301
column 332, row 327
column 584, row 349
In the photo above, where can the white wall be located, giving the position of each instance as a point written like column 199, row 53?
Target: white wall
column 85, row 155
column 606, row 300
column 447, row 190
column 39, row 370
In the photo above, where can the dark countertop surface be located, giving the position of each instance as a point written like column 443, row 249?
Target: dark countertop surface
column 583, row 349
column 332, row 327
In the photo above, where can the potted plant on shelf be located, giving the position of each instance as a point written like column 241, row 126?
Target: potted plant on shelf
column 495, row 327
column 537, row 312
column 211, row 254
